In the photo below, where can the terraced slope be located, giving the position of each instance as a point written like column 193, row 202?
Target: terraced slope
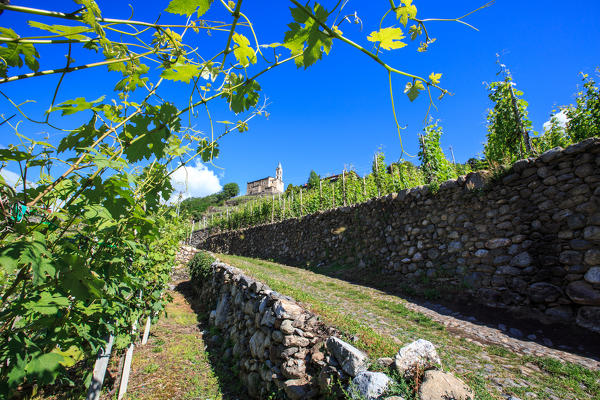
column 380, row 324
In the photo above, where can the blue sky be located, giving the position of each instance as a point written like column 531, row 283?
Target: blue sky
column 337, row 113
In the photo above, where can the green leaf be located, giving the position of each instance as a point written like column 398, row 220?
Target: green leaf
column 414, row 31
column 79, row 104
column 14, row 155
column 84, row 136
column 11, row 54
column 241, row 97
column 187, row 7
column 243, row 52
column 181, row 72
column 69, row 32
column 390, row 38
column 406, row 12
column 435, row 78
column 309, row 42
column 412, row 90
column 9, row 256
column 45, row 367
column 48, row 303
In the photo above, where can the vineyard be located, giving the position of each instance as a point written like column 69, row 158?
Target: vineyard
column 89, row 223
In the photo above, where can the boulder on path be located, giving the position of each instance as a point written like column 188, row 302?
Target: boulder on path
column 416, row 357
column 440, row 385
column 369, row 385
column 350, row 358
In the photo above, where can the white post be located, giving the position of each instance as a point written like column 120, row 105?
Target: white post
column 126, row 371
column 100, row 370
column 146, row 331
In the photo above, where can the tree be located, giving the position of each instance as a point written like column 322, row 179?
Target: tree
column 313, row 180
column 507, row 122
column 584, row 117
column 230, row 190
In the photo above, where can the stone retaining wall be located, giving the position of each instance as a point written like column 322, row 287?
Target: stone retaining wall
column 274, row 343
column 528, row 241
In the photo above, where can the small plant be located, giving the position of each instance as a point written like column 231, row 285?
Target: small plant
column 497, row 350
column 151, row 368
column 200, row 266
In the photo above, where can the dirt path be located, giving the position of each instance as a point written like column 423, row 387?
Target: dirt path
column 494, row 364
column 176, row 363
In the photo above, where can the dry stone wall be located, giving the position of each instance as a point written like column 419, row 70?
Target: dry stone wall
column 273, row 342
column 528, row 240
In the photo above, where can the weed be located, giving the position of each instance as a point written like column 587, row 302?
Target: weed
column 497, row 350
column 151, row 368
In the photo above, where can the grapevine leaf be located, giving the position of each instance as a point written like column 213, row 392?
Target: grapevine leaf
column 308, row 42
column 187, row 7
column 144, row 142
column 45, row 367
column 435, row 78
column 48, row 303
column 79, row 104
column 412, row 90
column 405, row 12
column 83, row 136
column 243, row 52
column 181, row 72
column 414, row 31
column 70, row 32
column 14, row 155
column 390, row 38
column 9, row 256
column 11, row 54
column 241, row 96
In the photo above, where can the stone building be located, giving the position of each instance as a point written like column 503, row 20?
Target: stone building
column 268, row 185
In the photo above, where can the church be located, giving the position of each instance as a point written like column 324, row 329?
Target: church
column 268, row 185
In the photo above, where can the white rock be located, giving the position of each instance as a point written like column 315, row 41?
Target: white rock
column 350, row 358
column 369, row 385
column 417, row 356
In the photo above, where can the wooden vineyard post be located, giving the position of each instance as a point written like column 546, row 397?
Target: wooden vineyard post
column 283, row 207
column 332, row 195
column 273, row 209
column 300, row 201
column 100, row 366
column 344, row 186
column 320, row 195
column 364, row 189
column 377, row 175
column 291, row 205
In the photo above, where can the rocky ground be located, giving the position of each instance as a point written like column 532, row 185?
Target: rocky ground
column 496, row 364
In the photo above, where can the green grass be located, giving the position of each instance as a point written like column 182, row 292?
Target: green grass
column 356, row 311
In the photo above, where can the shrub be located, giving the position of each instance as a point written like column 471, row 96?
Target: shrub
column 200, row 266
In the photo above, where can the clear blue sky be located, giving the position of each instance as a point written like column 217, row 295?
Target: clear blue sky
column 337, row 113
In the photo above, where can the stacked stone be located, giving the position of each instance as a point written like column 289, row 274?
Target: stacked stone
column 528, row 241
column 277, row 344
